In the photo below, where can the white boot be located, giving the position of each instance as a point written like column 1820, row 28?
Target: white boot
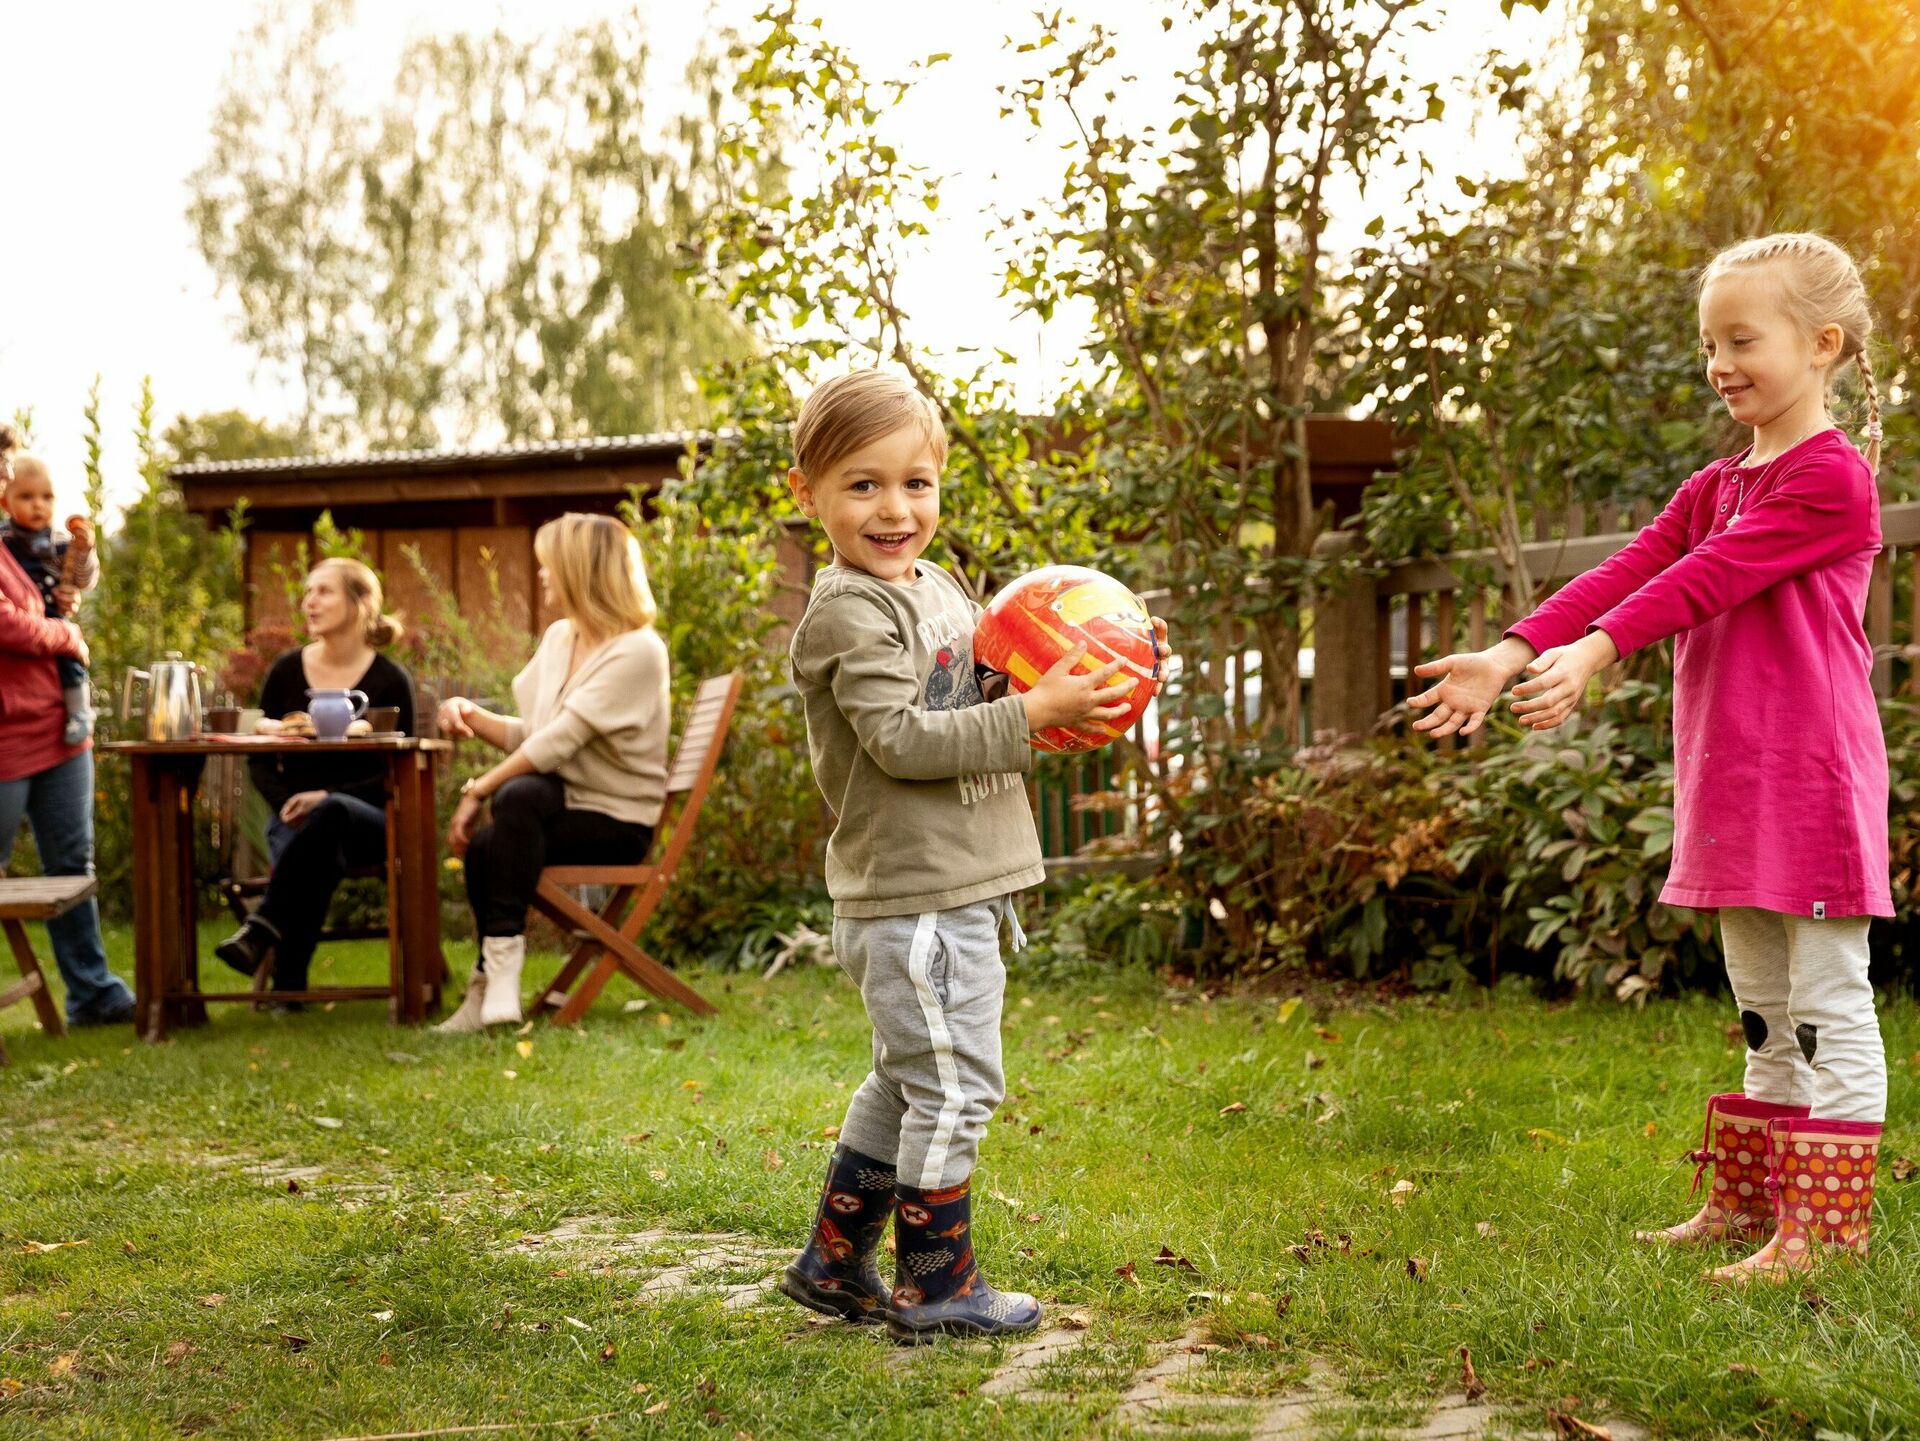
column 466, row 1021
column 503, row 956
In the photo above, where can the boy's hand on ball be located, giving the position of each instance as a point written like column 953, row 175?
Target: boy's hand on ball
column 1066, row 697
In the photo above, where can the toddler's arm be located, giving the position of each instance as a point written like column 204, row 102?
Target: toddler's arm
column 851, row 647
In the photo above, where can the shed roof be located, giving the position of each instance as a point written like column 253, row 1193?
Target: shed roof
column 581, row 450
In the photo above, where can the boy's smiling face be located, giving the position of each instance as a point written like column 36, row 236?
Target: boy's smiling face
column 879, row 504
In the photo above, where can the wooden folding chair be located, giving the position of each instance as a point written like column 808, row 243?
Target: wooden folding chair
column 36, row 898
column 610, row 943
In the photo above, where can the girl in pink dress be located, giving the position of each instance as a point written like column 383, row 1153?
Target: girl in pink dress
column 1759, row 568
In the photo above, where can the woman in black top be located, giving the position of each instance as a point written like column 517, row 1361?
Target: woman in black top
column 329, row 810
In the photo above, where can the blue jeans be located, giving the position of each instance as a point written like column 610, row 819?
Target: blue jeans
column 340, row 834
column 58, row 805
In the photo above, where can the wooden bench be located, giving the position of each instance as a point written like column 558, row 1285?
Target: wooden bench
column 36, row 898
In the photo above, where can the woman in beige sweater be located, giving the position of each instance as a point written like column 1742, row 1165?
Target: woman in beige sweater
column 586, row 768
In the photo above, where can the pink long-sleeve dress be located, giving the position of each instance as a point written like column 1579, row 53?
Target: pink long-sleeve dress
column 1780, row 766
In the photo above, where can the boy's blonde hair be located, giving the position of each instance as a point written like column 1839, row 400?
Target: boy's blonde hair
column 363, row 589
column 856, row 409
column 1821, row 286
column 597, row 573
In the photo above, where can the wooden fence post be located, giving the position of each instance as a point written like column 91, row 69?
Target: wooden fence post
column 1346, row 623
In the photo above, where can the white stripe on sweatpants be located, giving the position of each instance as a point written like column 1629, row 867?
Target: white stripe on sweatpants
column 952, row 1099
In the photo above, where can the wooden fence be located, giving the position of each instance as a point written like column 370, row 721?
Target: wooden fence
column 1366, row 639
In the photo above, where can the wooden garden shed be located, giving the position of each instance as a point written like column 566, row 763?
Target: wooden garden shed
column 468, row 511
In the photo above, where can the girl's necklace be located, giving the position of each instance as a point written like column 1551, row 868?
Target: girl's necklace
column 1740, row 481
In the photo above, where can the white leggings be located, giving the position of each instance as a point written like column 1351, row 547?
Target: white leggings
column 1812, row 1036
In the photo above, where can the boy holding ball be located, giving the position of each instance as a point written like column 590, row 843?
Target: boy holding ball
column 932, row 836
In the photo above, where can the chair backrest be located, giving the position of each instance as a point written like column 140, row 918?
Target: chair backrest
column 695, row 758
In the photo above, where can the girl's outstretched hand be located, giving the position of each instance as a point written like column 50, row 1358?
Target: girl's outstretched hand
column 1470, row 684
column 1558, row 680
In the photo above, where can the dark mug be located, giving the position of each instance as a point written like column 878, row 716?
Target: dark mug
column 384, row 719
column 223, row 720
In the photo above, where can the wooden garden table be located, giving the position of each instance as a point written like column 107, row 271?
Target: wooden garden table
column 166, row 942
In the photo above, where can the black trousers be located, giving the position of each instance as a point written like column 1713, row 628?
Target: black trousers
column 532, row 828
column 340, row 834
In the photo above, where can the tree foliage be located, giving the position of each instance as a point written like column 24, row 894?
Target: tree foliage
column 493, row 253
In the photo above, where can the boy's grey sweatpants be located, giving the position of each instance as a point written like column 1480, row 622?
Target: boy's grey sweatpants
column 1807, row 1010
column 933, row 986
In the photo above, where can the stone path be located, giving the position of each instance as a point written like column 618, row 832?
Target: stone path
column 1175, row 1393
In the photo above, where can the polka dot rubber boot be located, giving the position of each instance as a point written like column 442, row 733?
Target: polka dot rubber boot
column 1821, row 1177
column 836, row 1275
column 1738, row 1205
column 937, row 1288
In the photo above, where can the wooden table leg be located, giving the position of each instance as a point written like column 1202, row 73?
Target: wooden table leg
column 397, row 889
column 149, row 984
column 176, row 932
column 415, row 899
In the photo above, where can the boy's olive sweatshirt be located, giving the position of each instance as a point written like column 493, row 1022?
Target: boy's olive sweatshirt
column 923, row 772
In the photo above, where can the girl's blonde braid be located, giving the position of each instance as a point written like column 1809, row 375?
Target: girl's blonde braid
column 1873, row 409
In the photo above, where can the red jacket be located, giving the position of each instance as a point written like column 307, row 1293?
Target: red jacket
column 32, row 713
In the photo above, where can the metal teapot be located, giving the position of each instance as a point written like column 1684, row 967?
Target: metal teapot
column 173, row 710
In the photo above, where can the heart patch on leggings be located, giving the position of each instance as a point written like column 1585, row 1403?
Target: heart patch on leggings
column 1809, row 1039
column 1755, row 1025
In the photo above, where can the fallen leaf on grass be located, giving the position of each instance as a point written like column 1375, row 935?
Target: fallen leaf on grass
column 1332, row 1038
column 609, row 1351
column 1257, row 1341
column 637, row 1137
column 213, row 1299
column 402, row 1058
column 1650, row 1130
column 1741, row 1368
column 830, row 1133
column 62, row 1365
column 382, row 1315
column 129, row 1248
column 385, row 1358
column 1287, row 1009
column 1233, row 1108
column 1572, row 1428
column 511, row 1075
column 576, row 1323
column 771, row 1160
column 1470, row 1381
column 1905, row 1168
column 1125, row 1273
column 1315, row 1062
column 525, row 1048
column 1417, row 1267
column 657, row 1407
column 1486, row 1230
column 295, row 1343
column 1401, row 1190
column 657, row 1174
column 1075, row 1320
column 327, row 1123
column 1167, row 1258
column 1010, row 1202
column 40, row 1248
column 1540, row 1135
column 178, row 1352
column 293, row 1187
column 1283, row 1304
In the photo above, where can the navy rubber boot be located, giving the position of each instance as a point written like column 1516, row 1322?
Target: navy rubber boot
column 836, row 1274
column 937, row 1287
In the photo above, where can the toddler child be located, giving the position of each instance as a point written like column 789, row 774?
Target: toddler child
column 932, row 836
column 1760, row 566
column 54, row 563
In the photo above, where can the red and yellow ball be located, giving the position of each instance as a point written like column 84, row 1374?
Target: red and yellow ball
column 1034, row 621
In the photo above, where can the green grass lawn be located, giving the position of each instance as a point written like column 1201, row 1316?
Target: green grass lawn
column 386, row 1293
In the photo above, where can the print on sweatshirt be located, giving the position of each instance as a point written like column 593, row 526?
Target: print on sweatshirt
column 954, row 684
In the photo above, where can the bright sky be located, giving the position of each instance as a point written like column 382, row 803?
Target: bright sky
column 104, row 113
